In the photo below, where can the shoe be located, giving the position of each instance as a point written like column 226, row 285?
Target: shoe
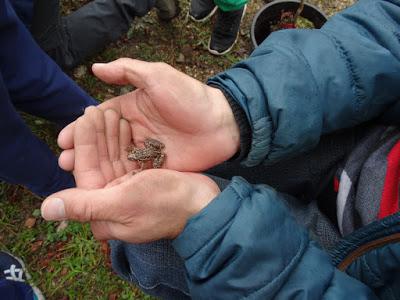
column 226, row 31
column 202, row 10
column 167, row 9
column 12, row 269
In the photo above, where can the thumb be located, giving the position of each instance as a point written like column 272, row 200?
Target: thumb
column 125, row 71
column 81, row 205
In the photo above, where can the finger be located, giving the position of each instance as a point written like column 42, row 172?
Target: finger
column 126, row 71
column 97, row 118
column 83, row 205
column 66, row 161
column 87, row 170
column 125, row 141
column 65, row 138
column 112, row 139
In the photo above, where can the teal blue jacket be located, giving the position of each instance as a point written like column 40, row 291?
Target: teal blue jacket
column 296, row 86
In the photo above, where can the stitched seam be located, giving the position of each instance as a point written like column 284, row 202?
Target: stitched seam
column 358, row 90
column 298, row 54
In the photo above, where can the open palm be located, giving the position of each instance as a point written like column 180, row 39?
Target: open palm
column 193, row 120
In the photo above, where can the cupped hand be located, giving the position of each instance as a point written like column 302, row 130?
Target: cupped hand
column 193, row 120
column 119, row 202
column 150, row 205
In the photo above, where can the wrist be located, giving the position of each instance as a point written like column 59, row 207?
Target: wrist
column 205, row 190
column 227, row 131
column 200, row 190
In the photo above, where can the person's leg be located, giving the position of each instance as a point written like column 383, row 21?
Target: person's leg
column 34, row 82
column 227, row 25
column 24, row 159
column 154, row 267
column 167, row 9
column 24, row 10
column 13, row 276
column 101, row 22
column 85, row 32
column 202, row 10
column 230, row 5
column 48, row 31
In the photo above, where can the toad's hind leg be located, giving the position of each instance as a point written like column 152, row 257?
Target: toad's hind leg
column 141, row 164
column 158, row 161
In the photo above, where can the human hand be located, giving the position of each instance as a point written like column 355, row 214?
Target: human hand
column 193, row 120
column 150, row 205
column 130, row 206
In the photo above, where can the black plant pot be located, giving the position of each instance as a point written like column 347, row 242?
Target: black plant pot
column 271, row 14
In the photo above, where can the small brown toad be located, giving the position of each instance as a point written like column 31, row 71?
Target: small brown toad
column 152, row 151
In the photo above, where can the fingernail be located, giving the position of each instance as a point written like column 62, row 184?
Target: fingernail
column 53, row 209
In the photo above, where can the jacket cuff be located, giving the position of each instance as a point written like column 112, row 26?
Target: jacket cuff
column 243, row 123
column 202, row 227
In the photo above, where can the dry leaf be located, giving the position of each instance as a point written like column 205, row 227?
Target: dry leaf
column 36, row 245
column 30, row 222
column 62, row 226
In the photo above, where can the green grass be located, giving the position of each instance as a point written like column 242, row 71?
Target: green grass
column 65, row 265
column 70, row 264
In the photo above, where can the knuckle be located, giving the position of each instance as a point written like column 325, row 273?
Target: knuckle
column 89, row 110
column 111, row 114
column 82, row 212
column 82, row 123
column 162, row 66
column 124, row 60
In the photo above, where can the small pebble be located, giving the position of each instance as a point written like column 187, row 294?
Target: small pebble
column 180, row 59
column 80, row 71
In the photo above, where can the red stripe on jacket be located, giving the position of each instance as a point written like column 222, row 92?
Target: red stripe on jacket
column 390, row 195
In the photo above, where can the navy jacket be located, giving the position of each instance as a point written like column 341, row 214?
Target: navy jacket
column 31, row 82
column 296, row 86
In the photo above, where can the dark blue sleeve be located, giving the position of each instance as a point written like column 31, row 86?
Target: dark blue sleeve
column 24, row 10
column 300, row 84
column 34, row 82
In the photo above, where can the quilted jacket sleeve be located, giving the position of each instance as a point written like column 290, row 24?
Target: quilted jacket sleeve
column 245, row 244
column 299, row 84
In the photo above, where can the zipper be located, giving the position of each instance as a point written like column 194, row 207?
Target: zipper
column 349, row 259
